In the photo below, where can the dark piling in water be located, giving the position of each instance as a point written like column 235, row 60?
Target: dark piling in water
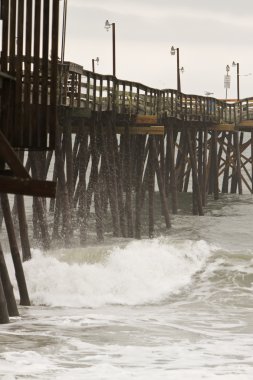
column 24, row 297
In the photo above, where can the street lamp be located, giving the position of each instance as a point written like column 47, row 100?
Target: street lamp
column 234, row 64
column 227, row 80
column 107, row 27
column 93, row 64
column 173, row 51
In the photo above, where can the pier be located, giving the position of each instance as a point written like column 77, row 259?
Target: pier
column 110, row 143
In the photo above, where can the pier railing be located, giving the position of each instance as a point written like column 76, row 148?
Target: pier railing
column 84, row 89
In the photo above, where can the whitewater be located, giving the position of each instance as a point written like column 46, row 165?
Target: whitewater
column 178, row 306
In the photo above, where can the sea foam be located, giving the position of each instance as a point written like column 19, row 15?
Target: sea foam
column 140, row 273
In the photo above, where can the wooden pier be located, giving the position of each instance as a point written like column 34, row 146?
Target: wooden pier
column 28, row 118
column 108, row 143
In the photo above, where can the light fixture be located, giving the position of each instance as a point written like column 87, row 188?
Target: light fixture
column 172, row 50
column 182, row 69
column 107, row 25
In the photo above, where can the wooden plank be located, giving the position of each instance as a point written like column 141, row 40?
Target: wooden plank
column 5, row 35
column 36, row 73
column 42, row 135
column 155, row 130
column 146, row 119
column 222, row 127
column 32, row 187
column 12, row 40
column 246, row 124
column 54, row 73
column 27, row 75
column 17, row 139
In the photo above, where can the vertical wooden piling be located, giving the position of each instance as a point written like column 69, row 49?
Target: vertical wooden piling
column 107, row 156
column 82, row 209
column 173, row 179
column 4, row 316
column 161, row 186
column 195, row 174
column 151, row 187
column 215, row 173
column 139, row 156
column 205, row 167
column 23, row 229
column 238, row 162
column 225, row 181
column 24, row 298
column 7, row 287
column 128, row 182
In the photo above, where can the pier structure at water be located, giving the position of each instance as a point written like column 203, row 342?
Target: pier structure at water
column 109, row 142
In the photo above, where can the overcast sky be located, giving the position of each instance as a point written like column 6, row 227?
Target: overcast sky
column 209, row 33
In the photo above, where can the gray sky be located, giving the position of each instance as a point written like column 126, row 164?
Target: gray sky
column 209, row 33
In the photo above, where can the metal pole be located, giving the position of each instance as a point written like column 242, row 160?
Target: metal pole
column 93, row 65
column 238, row 81
column 178, row 73
column 64, row 24
column 113, row 49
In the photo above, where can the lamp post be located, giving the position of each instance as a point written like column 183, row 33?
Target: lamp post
column 93, row 64
column 234, row 64
column 107, row 27
column 173, row 52
column 227, row 80
column 64, row 25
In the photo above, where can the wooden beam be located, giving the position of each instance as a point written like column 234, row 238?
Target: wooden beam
column 156, row 130
column 146, row 119
column 25, row 186
column 222, row 127
column 246, row 124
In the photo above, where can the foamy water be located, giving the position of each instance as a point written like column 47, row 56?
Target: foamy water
column 140, row 273
column 174, row 307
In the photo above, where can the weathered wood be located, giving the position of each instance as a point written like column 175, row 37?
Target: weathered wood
column 108, row 157
column 140, row 147
column 205, row 168
column 161, row 186
column 39, row 209
column 14, row 185
column 24, row 297
column 227, row 165
column 194, row 173
column 4, row 316
column 82, row 209
column 128, row 182
column 173, row 179
column 23, row 229
column 67, row 227
column 215, row 166
column 238, row 162
column 146, row 119
column 152, row 130
column 151, row 187
column 7, row 287
column 97, row 201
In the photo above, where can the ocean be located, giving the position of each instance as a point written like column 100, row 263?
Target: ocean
column 179, row 306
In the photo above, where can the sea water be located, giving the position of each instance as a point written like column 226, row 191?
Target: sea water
column 179, row 306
